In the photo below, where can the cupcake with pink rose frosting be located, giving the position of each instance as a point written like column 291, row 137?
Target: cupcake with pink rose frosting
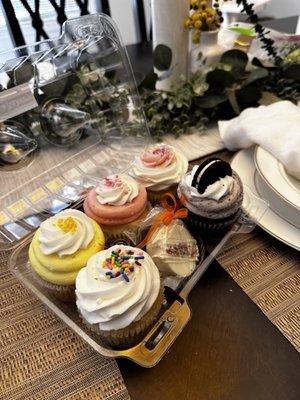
column 159, row 168
column 118, row 204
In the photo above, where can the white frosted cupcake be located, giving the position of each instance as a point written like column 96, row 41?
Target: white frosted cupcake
column 159, row 168
column 119, row 294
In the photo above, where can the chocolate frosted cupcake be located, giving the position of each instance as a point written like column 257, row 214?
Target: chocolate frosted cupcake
column 213, row 194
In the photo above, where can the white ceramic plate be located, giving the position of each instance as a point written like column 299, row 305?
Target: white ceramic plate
column 276, row 177
column 274, row 224
column 279, row 206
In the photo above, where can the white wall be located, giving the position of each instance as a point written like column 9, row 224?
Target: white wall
column 282, row 8
column 124, row 14
column 125, row 17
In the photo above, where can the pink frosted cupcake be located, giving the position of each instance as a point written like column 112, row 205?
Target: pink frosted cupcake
column 118, row 204
column 159, row 168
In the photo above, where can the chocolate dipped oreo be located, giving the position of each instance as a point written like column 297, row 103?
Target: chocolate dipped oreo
column 209, row 172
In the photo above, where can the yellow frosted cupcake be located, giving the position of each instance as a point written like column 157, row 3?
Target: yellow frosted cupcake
column 60, row 248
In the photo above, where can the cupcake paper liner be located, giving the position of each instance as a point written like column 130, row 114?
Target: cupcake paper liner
column 155, row 197
column 65, row 293
column 195, row 222
column 132, row 334
column 127, row 234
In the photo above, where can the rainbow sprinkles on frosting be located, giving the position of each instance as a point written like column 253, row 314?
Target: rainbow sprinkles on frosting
column 122, row 262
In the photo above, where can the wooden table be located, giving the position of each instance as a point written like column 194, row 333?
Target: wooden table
column 229, row 350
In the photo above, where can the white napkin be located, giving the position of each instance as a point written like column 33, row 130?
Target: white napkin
column 276, row 128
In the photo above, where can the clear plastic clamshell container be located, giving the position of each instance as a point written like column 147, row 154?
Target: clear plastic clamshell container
column 69, row 115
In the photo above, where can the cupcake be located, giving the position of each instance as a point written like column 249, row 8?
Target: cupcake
column 159, row 168
column 119, row 295
column 118, row 204
column 60, row 248
column 213, row 194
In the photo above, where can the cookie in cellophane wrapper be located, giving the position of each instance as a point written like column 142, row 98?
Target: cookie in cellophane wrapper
column 174, row 250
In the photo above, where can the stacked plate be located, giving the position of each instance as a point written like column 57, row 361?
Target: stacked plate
column 268, row 179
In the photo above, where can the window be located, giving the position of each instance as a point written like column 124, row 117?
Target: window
column 48, row 15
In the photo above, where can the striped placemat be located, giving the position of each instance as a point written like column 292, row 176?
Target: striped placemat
column 40, row 358
column 269, row 272
column 198, row 143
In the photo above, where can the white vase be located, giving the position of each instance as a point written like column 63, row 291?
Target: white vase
column 209, row 49
column 168, row 28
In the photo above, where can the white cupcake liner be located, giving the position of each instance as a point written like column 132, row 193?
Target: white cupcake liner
column 132, row 334
column 65, row 293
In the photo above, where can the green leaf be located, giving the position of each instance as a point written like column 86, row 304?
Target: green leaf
column 219, row 79
column 210, row 101
column 149, row 82
column 292, row 72
column 200, row 87
column 293, row 56
column 258, row 63
column 170, row 106
column 243, row 30
column 257, row 73
column 237, row 59
column 248, row 96
column 199, row 56
column 162, row 57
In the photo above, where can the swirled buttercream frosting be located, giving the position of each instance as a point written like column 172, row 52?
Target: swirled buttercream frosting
column 117, row 287
column 65, row 233
column 117, row 190
column 159, row 167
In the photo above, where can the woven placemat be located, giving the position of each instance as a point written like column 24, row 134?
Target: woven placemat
column 269, row 272
column 41, row 358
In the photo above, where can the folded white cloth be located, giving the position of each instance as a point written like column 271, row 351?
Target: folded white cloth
column 276, row 128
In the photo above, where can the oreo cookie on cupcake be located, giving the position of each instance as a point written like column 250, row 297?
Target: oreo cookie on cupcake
column 213, row 194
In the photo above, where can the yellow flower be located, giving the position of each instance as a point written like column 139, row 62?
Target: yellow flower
column 194, row 3
column 203, row 5
column 211, row 12
column 209, row 21
column 196, row 15
column 198, row 24
column 188, row 23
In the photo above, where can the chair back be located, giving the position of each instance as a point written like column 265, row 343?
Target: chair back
column 35, row 13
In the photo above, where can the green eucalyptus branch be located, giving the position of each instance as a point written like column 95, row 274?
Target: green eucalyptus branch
column 219, row 92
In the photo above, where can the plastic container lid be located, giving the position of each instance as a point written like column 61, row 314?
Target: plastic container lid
column 69, row 114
